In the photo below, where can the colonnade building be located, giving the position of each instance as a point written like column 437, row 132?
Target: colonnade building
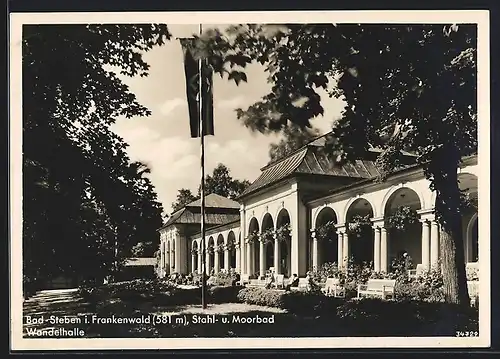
column 299, row 214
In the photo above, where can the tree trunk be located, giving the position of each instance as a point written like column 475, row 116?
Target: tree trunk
column 452, row 245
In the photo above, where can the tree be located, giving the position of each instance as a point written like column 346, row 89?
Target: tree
column 406, row 87
column 220, row 182
column 293, row 138
column 85, row 205
column 184, row 196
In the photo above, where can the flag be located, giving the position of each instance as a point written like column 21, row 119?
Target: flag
column 191, row 71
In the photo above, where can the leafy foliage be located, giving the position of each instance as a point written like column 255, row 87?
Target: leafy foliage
column 220, row 182
column 184, row 197
column 71, row 97
column 293, row 138
column 252, row 237
column 401, row 218
column 283, row 232
column 226, row 278
column 326, row 231
column 407, row 88
column 359, row 225
column 267, row 235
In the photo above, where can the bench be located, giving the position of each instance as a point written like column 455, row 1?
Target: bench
column 473, row 289
column 415, row 273
column 244, row 279
column 279, row 281
column 302, row 286
column 383, row 288
column 333, row 287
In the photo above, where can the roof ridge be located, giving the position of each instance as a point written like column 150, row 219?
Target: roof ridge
column 294, row 152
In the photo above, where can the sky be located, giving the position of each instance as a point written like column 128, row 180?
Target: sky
column 163, row 141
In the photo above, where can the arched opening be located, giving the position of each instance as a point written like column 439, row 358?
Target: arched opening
column 267, row 234
column 469, row 186
column 404, row 231
column 253, row 246
column 285, row 240
column 194, row 252
column 232, row 250
column 326, row 237
column 211, row 256
column 220, row 254
column 360, row 232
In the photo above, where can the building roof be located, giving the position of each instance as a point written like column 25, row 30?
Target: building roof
column 219, row 210
column 140, row 261
column 218, row 228
column 312, row 159
column 215, row 201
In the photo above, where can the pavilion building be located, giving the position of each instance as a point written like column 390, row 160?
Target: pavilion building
column 281, row 219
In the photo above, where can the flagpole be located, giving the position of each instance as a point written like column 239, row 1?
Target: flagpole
column 202, row 187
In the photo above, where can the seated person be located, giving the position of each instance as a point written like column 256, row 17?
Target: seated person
column 270, row 279
column 293, row 282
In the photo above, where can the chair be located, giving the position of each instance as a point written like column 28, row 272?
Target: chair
column 333, row 287
column 279, row 281
column 244, row 279
column 383, row 288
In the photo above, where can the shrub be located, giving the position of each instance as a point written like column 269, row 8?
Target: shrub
column 178, row 278
column 326, row 270
column 127, row 290
column 399, row 318
column 225, row 278
column 224, row 294
column 261, row 296
column 196, row 279
column 472, row 274
column 310, row 303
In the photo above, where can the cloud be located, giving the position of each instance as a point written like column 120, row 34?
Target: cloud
column 170, row 105
column 231, row 103
column 243, row 159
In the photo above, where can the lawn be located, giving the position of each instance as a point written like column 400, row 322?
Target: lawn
column 150, row 309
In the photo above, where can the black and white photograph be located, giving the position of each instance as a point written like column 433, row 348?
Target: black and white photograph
column 234, row 180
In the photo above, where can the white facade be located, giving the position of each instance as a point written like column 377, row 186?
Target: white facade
column 284, row 202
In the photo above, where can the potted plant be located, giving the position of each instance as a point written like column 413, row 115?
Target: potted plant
column 283, row 232
column 267, row 236
column 359, row 225
column 401, row 218
column 326, row 231
column 252, row 237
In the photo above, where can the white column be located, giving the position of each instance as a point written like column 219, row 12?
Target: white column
column 425, row 243
column 200, row 254
column 277, row 254
column 340, row 249
column 262, row 258
column 346, row 249
column 166, row 268
column 434, row 243
column 376, row 249
column 217, row 260
column 383, row 250
column 249, row 258
column 179, row 258
column 193, row 262
column 162, row 258
column 208, row 265
column 171, row 261
column 227, row 265
column 315, row 254
column 238, row 258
